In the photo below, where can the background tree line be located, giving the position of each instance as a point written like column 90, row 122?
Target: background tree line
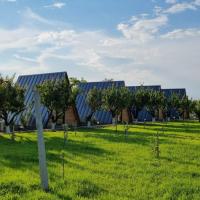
column 58, row 95
column 116, row 99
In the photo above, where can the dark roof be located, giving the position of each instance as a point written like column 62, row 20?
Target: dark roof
column 29, row 82
column 148, row 87
column 179, row 91
column 84, row 110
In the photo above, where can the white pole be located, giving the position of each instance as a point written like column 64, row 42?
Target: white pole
column 41, row 144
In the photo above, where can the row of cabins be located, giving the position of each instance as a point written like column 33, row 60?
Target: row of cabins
column 77, row 114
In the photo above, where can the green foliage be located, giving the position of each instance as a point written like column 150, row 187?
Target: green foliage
column 94, row 100
column 116, row 99
column 11, row 100
column 197, row 109
column 186, row 105
column 25, row 119
column 140, row 99
column 101, row 165
column 174, row 101
column 156, row 145
column 74, row 81
column 56, row 96
column 155, row 102
column 171, row 102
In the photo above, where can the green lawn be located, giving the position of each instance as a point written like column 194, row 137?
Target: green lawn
column 103, row 164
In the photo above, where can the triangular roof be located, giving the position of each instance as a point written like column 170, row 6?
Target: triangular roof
column 82, row 107
column 28, row 82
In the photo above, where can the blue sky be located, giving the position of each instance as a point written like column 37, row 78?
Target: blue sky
column 140, row 41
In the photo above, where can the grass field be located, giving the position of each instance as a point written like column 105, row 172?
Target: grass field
column 102, row 164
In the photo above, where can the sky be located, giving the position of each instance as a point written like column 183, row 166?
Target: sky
column 140, row 41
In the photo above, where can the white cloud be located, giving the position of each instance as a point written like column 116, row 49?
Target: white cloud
column 30, row 15
column 180, row 7
column 57, row 37
column 182, row 33
column 197, row 2
column 56, row 5
column 27, row 59
column 140, row 55
column 21, row 38
column 142, row 30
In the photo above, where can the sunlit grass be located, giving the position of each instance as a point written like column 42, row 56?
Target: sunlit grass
column 103, row 164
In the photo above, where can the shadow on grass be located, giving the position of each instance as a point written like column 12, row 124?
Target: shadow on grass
column 16, row 154
column 133, row 137
column 116, row 137
column 143, row 137
column 75, row 147
column 186, row 127
column 177, row 160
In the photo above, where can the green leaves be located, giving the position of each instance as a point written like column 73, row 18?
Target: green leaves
column 197, row 109
column 94, row 99
column 116, row 99
column 11, row 99
column 56, row 96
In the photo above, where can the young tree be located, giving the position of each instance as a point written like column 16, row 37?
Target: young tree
column 55, row 95
column 94, row 100
column 74, row 89
column 155, row 102
column 172, row 103
column 197, row 109
column 186, row 106
column 115, row 100
column 11, row 101
column 139, row 100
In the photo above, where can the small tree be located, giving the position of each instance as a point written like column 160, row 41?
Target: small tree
column 139, row 100
column 55, row 95
column 197, row 109
column 11, row 101
column 115, row 100
column 172, row 104
column 186, row 106
column 156, row 145
column 155, row 102
column 94, row 100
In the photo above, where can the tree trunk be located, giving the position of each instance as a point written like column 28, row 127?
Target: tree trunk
column 53, row 126
column 153, row 119
column 89, row 124
column 116, row 120
column 113, row 120
column 1, row 125
column 8, row 129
